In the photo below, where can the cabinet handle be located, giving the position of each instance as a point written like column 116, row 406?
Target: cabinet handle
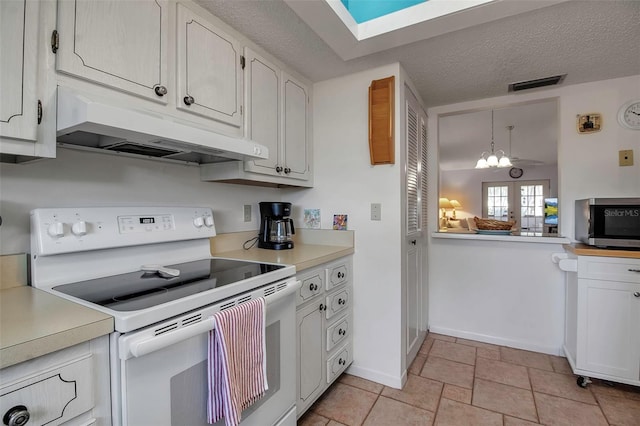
column 17, row 416
column 341, row 301
column 160, row 90
column 188, row 100
column 39, row 111
column 634, row 270
column 287, row 170
column 340, row 275
column 278, row 169
column 342, row 361
column 342, row 332
column 413, row 242
column 636, row 294
column 313, row 287
column 322, row 307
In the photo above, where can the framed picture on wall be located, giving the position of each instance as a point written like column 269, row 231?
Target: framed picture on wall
column 589, row 123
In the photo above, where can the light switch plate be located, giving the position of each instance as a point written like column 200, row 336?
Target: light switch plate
column 376, row 211
column 626, row 157
column 247, row 212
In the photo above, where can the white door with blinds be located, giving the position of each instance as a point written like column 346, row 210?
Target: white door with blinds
column 416, row 145
column 522, row 201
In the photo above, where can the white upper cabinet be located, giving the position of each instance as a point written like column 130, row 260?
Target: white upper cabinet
column 209, row 69
column 295, row 128
column 263, row 110
column 278, row 117
column 27, row 81
column 18, row 69
column 119, row 44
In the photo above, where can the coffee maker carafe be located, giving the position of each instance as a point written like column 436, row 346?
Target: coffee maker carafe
column 276, row 227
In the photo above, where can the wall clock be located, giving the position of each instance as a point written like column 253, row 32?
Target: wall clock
column 629, row 115
column 516, row 172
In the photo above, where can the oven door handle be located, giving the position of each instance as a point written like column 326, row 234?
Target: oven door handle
column 146, row 345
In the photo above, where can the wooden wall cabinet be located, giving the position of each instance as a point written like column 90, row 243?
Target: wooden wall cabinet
column 381, row 121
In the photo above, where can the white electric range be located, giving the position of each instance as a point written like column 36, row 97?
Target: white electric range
column 151, row 269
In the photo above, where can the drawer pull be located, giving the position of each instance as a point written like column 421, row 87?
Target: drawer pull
column 342, row 361
column 17, row 416
column 313, row 287
column 341, row 332
column 341, row 301
column 634, row 270
column 636, row 294
column 322, row 307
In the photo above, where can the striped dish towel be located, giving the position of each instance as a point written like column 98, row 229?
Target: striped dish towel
column 237, row 364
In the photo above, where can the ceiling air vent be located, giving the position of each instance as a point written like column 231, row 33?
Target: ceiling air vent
column 532, row 84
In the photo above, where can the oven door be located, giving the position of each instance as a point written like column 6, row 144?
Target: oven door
column 162, row 379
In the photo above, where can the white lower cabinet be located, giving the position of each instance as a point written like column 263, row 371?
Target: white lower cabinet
column 69, row 387
column 603, row 319
column 324, row 318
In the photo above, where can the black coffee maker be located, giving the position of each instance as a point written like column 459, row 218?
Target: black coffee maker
column 276, row 228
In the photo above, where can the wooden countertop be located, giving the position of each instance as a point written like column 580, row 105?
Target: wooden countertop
column 580, row 249
column 34, row 323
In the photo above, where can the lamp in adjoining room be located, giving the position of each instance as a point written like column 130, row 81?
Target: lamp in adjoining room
column 455, row 204
column 444, row 204
column 493, row 158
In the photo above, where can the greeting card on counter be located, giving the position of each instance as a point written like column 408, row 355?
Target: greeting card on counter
column 340, row 222
column 312, row 218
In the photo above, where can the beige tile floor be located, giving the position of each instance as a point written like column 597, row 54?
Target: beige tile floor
column 462, row 382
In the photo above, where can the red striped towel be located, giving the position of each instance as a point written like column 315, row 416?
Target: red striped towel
column 237, row 361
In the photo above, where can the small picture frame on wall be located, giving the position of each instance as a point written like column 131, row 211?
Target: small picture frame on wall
column 312, row 218
column 589, row 123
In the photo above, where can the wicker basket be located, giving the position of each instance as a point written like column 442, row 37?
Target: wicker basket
column 493, row 224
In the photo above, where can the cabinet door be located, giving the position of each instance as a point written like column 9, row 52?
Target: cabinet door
column 296, row 147
column 18, row 69
column 120, row 44
column 609, row 328
column 209, row 70
column 310, row 354
column 263, row 110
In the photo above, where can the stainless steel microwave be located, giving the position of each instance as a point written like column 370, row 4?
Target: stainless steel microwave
column 608, row 222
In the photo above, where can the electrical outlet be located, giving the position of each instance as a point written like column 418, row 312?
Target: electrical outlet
column 376, row 211
column 626, row 157
column 247, row 212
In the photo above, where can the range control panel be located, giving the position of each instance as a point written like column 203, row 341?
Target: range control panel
column 66, row 230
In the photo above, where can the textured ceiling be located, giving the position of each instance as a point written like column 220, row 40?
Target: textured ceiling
column 588, row 40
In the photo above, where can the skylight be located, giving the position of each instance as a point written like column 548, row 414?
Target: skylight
column 366, row 10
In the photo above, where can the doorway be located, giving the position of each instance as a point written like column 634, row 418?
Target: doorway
column 521, row 201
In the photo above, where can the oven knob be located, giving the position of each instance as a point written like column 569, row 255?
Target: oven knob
column 79, row 228
column 56, row 230
column 208, row 221
column 17, row 416
column 198, row 222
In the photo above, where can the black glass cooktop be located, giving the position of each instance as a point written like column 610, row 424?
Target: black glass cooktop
column 140, row 290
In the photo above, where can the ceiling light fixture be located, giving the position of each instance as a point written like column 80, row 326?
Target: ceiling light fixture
column 493, row 159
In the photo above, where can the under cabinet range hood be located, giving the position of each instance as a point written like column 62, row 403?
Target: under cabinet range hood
column 89, row 124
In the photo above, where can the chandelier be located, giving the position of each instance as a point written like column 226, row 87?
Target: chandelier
column 493, row 158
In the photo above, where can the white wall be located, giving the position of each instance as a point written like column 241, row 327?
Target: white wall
column 77, row 178
column 526, row 296
column 466, row 185
column 346, row 182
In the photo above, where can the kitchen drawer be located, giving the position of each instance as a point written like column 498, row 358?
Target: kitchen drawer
column 54, row 396
column 609, row 268
column 312, row 285
column 338, row 363
column 337, row 302
column 338, row 274
column 337, row 333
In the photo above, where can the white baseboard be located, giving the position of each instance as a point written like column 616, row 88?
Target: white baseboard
column 378, row 377
column 518, row 344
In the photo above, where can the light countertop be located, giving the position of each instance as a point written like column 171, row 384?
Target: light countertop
column 580, row 249
column 34, row 323
column 516, row 237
